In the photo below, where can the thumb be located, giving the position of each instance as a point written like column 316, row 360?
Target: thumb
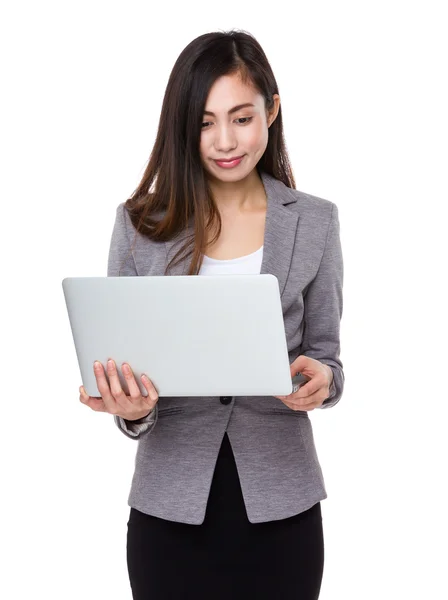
column 299, row 364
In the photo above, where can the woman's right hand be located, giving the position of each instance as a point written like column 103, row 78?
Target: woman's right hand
column 113, row 400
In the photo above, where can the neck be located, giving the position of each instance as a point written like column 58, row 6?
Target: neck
column 244, row 196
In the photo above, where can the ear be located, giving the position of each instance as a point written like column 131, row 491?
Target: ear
column 271, row 115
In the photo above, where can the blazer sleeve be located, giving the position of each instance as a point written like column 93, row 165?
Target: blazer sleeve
column 121, row 263
column 323, row 305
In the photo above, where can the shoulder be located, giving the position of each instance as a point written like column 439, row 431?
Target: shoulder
column 302, row 201
column 123, row 222
column 311, row 202
column 121, row 212
column 124, row 213
column 315, row 213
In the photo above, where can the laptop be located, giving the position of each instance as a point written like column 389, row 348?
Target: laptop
column 220, row 335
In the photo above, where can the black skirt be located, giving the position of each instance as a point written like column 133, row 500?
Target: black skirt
column 226, row 556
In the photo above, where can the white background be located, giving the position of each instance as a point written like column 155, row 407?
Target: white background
column 364, row 101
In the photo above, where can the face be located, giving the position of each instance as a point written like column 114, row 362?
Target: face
column 243, row 132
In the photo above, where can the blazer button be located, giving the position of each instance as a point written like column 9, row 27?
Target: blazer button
column 226, row 399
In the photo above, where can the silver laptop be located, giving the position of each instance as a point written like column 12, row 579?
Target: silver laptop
column 192, row 335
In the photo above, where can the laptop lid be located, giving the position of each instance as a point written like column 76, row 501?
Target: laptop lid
column 192, row 335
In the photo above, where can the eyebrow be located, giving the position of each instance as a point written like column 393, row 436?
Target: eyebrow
column 232, row 110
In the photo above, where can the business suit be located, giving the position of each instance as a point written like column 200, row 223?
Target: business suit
column 273, row 445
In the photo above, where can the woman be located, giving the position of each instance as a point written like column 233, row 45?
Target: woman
column 225, row 498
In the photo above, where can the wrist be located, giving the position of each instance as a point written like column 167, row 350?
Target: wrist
column 139, row 418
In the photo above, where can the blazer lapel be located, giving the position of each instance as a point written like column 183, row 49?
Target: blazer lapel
column 280, row 232
column 282, row 220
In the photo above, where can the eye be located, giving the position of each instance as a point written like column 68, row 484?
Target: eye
column 246, row 119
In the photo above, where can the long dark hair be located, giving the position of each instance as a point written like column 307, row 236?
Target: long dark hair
column 174, row 183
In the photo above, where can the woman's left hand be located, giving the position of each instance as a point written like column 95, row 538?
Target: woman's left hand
column 311, row 394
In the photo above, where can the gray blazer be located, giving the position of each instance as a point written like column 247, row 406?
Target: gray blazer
column 178, row 443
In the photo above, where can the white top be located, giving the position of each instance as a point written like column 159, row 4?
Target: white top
column 248, row 264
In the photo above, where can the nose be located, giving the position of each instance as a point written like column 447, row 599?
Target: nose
column 224, row 139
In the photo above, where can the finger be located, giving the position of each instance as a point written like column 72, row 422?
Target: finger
column 305, row 390
column 153, row 394
column 288, row 404
column 309, row 406
column 308, row 402
column 115, row 384
column 134, row 390
column 296, row 403
column 295, row 407
column 103, row 387
column 309, row 388
column 286, row 400
column 84, row 396
column 92, row 402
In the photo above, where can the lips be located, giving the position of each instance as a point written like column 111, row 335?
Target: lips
column 230, row 163
column 228, row 159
